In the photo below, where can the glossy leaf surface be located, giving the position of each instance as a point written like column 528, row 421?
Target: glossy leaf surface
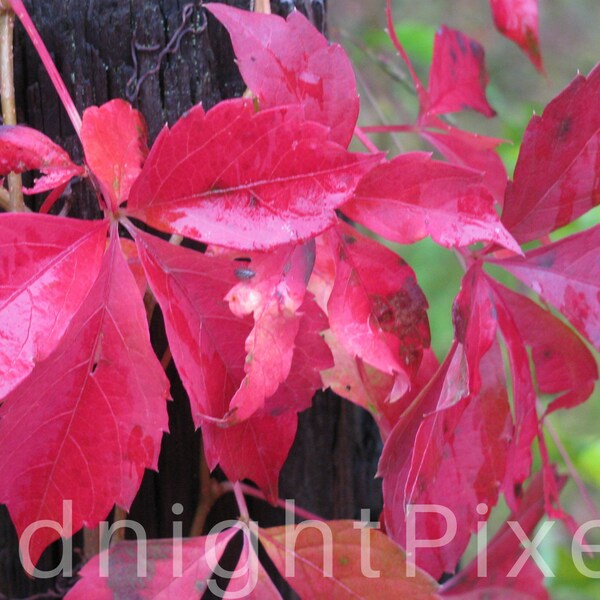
column 412, row 197
column 280, row 180
column 289, row 62
column 47, row 267
column 25, row 149
column 101, row 382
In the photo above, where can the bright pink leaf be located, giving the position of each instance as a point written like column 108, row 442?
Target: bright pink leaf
column 257, row 448
column 518, row 21
column 48, row 265
column 343, row 577
column 289, row 62
column 563, row 364
column 502, row 554
column 376, row 310
column 458, row 76
column 206, row 339
column 174, row 568
column 279, row 180
column 102, row 382
column 273, row 289
column 25, row 149
column 567, row 275
column 114, row 138
column 557, row 174
column 412, row 197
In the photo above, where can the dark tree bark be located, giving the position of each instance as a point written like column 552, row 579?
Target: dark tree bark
column 103, row 49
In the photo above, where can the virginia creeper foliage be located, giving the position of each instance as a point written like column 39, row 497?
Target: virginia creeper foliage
column 290, row 296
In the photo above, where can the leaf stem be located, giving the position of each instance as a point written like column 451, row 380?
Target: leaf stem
column 7, row 92
column 21, row 12
column 241, row 501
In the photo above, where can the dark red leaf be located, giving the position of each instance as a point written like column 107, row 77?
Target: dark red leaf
column 557, row 174
column 114, row 138
column 257, row 448
column 412, row 197
column 25, row 149
column 458, row 76
column 346, row 577
column 102, row 384
column 567, row 275
column 376, row 310
column 243, row 179
column 289, row 62
column 518, row 21
column 563, row 364
column 175, row 568
column 47, row 267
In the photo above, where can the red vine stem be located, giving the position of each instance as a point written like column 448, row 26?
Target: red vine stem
column 248, row 490
column 421, row 93
column 583, row 491
column 46, row 59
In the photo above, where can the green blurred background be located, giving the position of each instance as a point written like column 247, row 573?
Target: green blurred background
column 570, row 42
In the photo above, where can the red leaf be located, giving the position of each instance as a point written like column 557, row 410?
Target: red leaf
column 273, row 293
column 289, row 62
column 348, row 576
column 518, row 21
column 175, row 568
column 257, row 448
column 462, row 448
column 464, row 151
column 376, row 310
column 556, row 178
column 502, row 553
column 563, row 364
column 243, row 179
column 114, row 138
column 48, row 265
column 412, row 196
column 566, row 274
column 458, row 77
column 206, row 339
column 357, row 381
column 102, row 382
column 25, row 149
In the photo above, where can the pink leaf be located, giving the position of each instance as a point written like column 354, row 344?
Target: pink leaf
column 376, row 310
column 518, row 21
column 289, row 62
column 25, row 149
column 566, row 274
column 48, row 265
column 102, row 382
column 114, row 138
column 458, row 77
column 273, row 294
column 176, row 568
column 412, row 197
column 279, row 180
column 557, row 174
column 563, row 364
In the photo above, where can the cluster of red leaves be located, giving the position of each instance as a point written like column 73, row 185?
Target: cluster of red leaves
column 289, row 297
